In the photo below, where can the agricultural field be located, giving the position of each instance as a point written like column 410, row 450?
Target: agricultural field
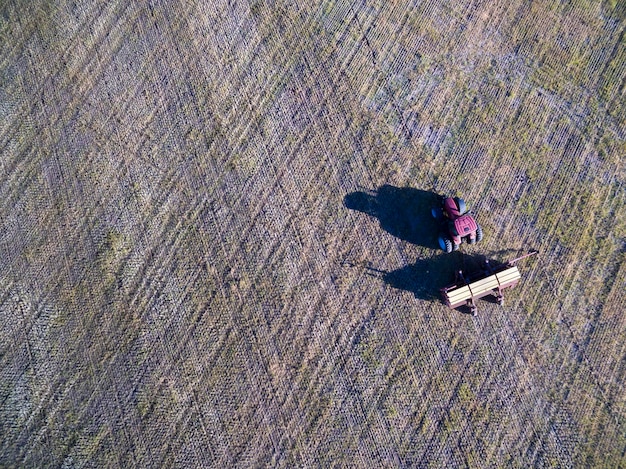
column 216, row 247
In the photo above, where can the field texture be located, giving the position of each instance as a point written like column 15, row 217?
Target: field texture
column 216, row 247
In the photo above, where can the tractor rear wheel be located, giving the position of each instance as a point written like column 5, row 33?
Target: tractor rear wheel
column 479, row 233
column 445, row 243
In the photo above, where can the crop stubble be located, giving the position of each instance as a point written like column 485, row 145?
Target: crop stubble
column 182, row 283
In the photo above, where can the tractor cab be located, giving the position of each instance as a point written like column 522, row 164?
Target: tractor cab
column 458, row 224
column 462, row 226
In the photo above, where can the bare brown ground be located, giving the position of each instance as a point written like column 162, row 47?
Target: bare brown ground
column 215, row 247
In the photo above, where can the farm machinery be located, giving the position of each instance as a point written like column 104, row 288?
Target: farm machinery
column 489, row 280
column 404, row 212
column 457, row 224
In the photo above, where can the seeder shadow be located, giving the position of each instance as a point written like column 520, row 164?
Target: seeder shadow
column 404, row 212
column 426, row 277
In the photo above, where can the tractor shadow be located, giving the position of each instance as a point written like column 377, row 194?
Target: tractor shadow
column 426, row 277
column 403, row 212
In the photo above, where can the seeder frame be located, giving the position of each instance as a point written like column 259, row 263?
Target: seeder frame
column 491, row 280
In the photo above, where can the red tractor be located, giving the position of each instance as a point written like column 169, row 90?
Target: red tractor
column 458, row 224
